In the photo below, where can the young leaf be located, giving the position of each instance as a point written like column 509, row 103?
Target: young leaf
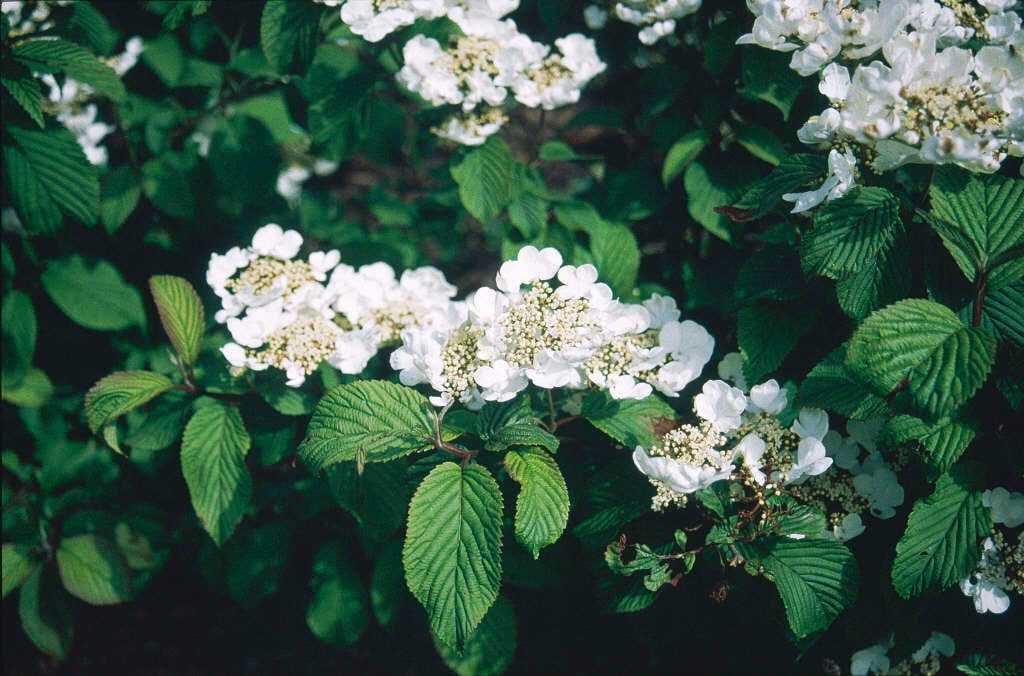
column 922, row 342
column 289, row 32
column 682, row 152
column 181, row 313
column 452, row 552
column 120, row 392
column 542, row 509
column 33, row 391
column 93, row 569
column 485, row 179
column 490, row 649
column 52, row 56
column 367, row 421
column 338, row 612
column 96, row 297
column 45, row 612
column 17, row 563
column 940, row 546
column 213, row 461
column 849, row 232
column 630, row 422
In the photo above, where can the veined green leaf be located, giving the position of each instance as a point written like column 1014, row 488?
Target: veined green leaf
column 616, row 256
column 944, row 441
column 181, row 313
column 452, row 552
column 53, row 56
column 940, row 546
column 682, row 152
column 213, row 452
column 485, row 179
column 885, row 281
column 849, row 232
column 19, row 336
column 831, row 386
column 45, row 612
column 631, row 422
column 120, row 392
column 289, row 32
column 93, row 569
column 542, row 509
column 17, row 563
column 96, row 296
column 792, row 172
column 513, row 423
column 489, row 649
column 368, row 421
column 25, row 90
column 119, row 197
column 768, row 331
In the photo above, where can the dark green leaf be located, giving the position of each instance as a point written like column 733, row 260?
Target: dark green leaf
column 96, row 296
column 849, row 232
column 338, row 612
column 289, row 34
column 45, row 612
column 489, row 649
column 631, row 422
column 682, row 153
column 53, row 56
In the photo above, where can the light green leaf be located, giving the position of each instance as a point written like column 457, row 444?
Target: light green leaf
column 816, row 579
column 49, row 175
column 616, row 256
column 120, row 195
column 289, row 34
column 849, row 232
column 940, row 546
column 542, row 509
column 19, row 336
column 556, row 151
column 387, row 586
column 213, row 461
column 923, row 343
column 452, row 552
column 95, row 296
column 706, row 189
column 490, row 649
column 485, row 179
column 33, row 391
column 17, row 563
column 831, row 386
column 368, row 421
column 631, row 422
column 181, row 313
column 682, row 153
column 25, row 90
column 93, row 569
column 338, row 612
column 120, row 392
column 793, row 172
column 45, row 612
column 53, row 56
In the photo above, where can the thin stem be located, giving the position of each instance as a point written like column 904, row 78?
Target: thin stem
column 979, row 296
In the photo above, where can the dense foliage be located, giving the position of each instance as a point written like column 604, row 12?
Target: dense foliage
column 406, row 336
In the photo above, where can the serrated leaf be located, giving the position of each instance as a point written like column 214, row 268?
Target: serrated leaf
column 181, row 314
column 849, row 232
column 616, row 256
column 767, row 332
column 45, row 612
column 49, row 175
column 816, row 579
column 213, row 452
column 881, row 283
column 485, row 179
column 89, row 21
column 528, row 212
column 984, row 212
column 19, row 328
column 923, row 343
column 792, row 172
column 944, row 441
column 387, row 586
column 53, row 56
column 1003, row 309
column 338, row 612
column 93, row 296
column 792, row 518
column 17, row 563
column 490, row 648
column 452, row 552
column 682, row 153
column 93, row 569
column 25, row 90
column 120, row 392
column 378, row 498
column 631, row 422
column 289, row 34
column 542, row 509
column 120, row 195
column 368, row 421
column 940, row 546
column 768, row 77
column 831, row 386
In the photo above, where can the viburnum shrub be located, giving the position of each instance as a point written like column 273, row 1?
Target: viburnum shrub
column 470, row 324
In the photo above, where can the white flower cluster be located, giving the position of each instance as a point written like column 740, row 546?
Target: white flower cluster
column 573, row 335
column 875, row 659
column 33, row 22
column 1001, row 568
column 932, row 97
column 288, row 314
column 478, row 70
column 290, row 180
column 656, row 18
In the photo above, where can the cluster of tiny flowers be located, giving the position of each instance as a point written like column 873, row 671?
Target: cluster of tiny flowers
column 35, row 21
column 288, row 314
column 932, row 97
column 572, row 335
column 291, row 178
column 656, row 18
column 479, row 70
column 924, row 660
column 1001, row 568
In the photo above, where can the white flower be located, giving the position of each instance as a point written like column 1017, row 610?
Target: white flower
column 352, row 351
column 988, row 595
column 767, row 397
column 850, row 527
column 687, row 340
column 731, row 368
column 258, row 323
column 500, row 381
column 663, row 310
column 865, row 432
column 677, row 476
column 873, row 660
column 271, row 240
column 720, row 404
column 839, row 180
column 844, row 451
column 530, row 266
column 1007, row 508
column 577, row 282
column 811, row 422
column 937, row 644
column 882, row 489
column 626, row 387
column 751, row 448
column 323, row 262
column 811, row 460
column 595, row 17
column 552, row 369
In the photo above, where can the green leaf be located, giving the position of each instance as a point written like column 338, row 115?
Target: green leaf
column 213, row 461
column 368, row 421
column 1002, row 308
column 529, row 214
column 489, row 650
column 33, row 391
column 452, row 552
column 645, row 559
column 255, row 558
column 89, row 21
column 181, row 313
column 48, row 175
column 338, row 612
column 616, row 256
column 289, row 34
column 387, row 586
column 768, row 331
column 120, row 392
column 761, row 143
column 19, row 328
column 181, row 10
column 238, row 151
column 945, row 440
column 285, row 399
column 831, row 386
column 25, row 90
column 850, row 232
column 17, row 562
column 984, row 212
column 707, row 189
column 53, row 56
column 557, row 151
column 940, row 546
column 792, row 518
column 93, row 569
column 45, row 612
column 880, row 283
column 816, row 579
column 485, row 179
column 378, row 498
column 682, row 153
column 631, row 422
column 93, row 296
column 169, row 189
column 793, row 172
column 542, row 509
column 768, row 77
column 120, row 195
column 923, row 343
